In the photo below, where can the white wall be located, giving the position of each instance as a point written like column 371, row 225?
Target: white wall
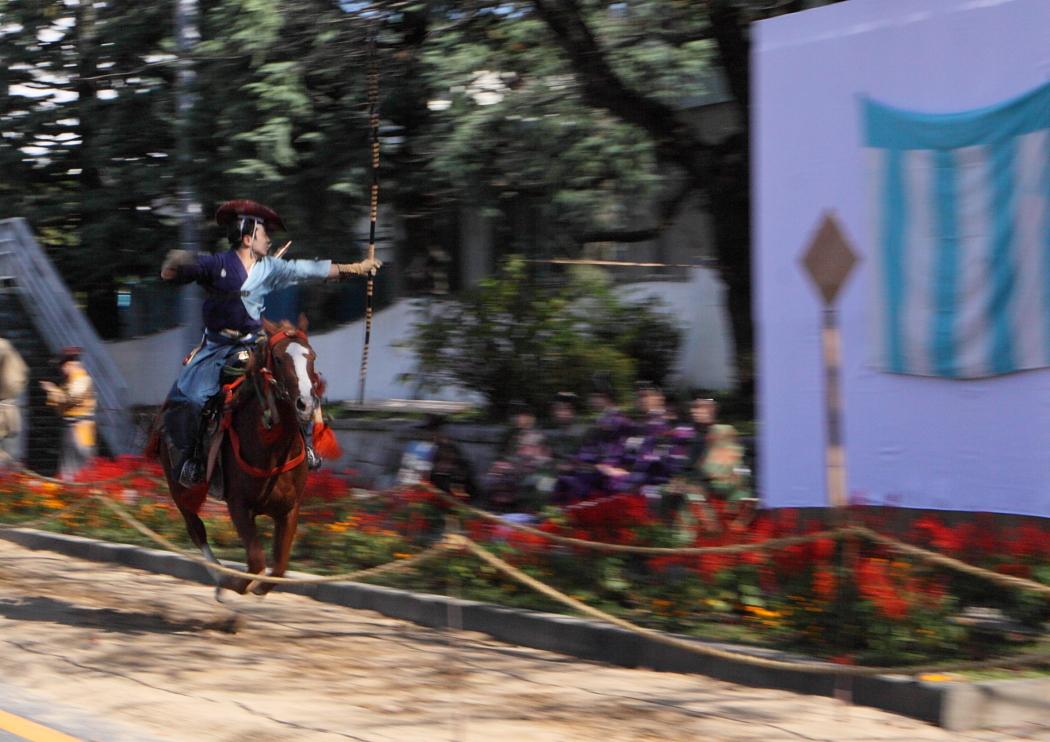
column 916, row 442
column 151, row 363
column 705, row 356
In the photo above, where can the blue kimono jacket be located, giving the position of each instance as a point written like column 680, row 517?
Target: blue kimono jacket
column 235, row 303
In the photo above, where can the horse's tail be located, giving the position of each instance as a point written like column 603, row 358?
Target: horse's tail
column 152, row 449
column 153, row 442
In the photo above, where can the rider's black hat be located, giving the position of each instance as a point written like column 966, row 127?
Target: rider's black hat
column 243, row 210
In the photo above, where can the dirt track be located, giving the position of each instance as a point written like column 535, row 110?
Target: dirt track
column 159, row 655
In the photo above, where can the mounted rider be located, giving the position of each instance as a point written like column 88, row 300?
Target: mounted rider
column 237, row 282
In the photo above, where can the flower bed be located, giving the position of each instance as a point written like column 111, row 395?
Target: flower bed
column 853, row 601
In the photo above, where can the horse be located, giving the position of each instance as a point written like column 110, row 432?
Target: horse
column 262, row 451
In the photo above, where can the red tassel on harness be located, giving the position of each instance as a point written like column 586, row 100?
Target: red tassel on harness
column 325, row 443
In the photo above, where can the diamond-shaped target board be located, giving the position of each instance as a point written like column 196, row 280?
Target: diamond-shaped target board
column 829, row 259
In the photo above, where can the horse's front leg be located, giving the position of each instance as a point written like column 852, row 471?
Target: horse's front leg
column 283, row 536
column 244, row 522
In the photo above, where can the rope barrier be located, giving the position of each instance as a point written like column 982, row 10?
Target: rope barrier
column 145, row 530
column 775, row 543
column 709, row 651
column 457, row 541
column 951, row 563
column 926, row 555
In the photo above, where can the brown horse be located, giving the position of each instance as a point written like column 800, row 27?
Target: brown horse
column 262, row 450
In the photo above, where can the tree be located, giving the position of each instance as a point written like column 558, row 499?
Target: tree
column 559, row 115
column 84, row 146
column 572, row 104
column 87, row 107
column 517, row 337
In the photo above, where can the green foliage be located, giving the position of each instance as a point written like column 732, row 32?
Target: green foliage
column 519, row 133
column 89, row 152
column 522, row 336
column 85, row 151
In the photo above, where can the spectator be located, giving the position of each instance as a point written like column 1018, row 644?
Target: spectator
column 74, row 401
column 511, row 481
column 702, row 415
column 610, row 426
column 723, row 466
column 566, row 435
column 682, row 500
column 646, row 450
column 451, row 471
column 13, row 376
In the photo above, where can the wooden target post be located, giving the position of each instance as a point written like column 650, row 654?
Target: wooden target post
column 829, row 260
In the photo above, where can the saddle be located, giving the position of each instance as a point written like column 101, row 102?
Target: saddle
column 213, row 431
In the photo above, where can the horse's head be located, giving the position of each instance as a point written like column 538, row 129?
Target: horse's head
column 290, row 360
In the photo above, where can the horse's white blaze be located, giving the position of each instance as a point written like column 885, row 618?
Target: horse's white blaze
column 299, row 358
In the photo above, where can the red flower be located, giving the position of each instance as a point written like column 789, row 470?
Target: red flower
column 1028, row 541
column 709, row 565
column 940, row 536
column 823, row 549
column 874, row 583
column 824, row 583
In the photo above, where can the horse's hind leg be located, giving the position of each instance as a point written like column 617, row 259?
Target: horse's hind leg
column 244, row 522
column 283, row 535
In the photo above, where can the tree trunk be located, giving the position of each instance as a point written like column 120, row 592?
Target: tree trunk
column 720, row 172
column 101, row 297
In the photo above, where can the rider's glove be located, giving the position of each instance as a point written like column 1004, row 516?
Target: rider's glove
column 174, row 260
column 366, row 267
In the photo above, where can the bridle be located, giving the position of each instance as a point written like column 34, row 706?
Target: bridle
column 287, row 335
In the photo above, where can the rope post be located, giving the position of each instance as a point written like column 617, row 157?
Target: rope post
column 373, row 209
column 828, row 260
column 834, row 453
column 454, row 626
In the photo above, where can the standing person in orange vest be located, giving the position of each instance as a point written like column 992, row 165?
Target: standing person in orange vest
column 74, row 401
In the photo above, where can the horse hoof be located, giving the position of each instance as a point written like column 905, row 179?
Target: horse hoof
column 262, row 588
column 219, row 594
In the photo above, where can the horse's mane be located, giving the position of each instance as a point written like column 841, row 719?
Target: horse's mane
column 286, row 325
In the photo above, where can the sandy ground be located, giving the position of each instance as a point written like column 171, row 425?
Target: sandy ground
column 159, row 656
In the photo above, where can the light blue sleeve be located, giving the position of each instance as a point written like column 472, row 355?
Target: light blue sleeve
column 289, row 272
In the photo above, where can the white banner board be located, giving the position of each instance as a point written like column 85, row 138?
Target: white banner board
column 973, row 444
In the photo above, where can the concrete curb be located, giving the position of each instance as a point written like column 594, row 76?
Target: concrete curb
column 954, row 706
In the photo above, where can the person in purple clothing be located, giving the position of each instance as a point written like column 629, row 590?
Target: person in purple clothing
column 237, row 283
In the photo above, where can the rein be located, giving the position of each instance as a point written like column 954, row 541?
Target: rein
column 230, row 391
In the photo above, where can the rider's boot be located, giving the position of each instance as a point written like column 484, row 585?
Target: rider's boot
column 181, row 426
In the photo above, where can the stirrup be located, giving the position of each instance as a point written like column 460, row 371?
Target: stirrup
column 192, row 473
column 313, row 461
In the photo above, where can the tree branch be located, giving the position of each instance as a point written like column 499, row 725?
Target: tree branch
column 603, row 88
column 676, row 39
